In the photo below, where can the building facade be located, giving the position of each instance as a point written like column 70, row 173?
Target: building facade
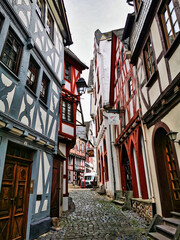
column 71, row 114
column 154, row 42
column 32, row 36
column 76, row 162
column 128, row 136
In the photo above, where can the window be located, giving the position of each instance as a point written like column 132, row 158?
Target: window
column 44, row 89
column 67, row 111
column 138, row 3
column 130, row 87
column 169, row 22
column 50, row 25
column 78, row 146
column 149, row 59
column 118, row 69
column 32, row 75
column 12, row 52
column 106, row 167
column 40, row 7
column 67, row 71
column 122, row 55
column 82, row 147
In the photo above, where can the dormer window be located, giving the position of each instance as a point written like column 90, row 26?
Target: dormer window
column 40, row 7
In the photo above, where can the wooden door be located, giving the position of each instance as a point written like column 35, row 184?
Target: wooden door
column 55, row 189
column 167, row 172
column 127, row 169
column 14, row 198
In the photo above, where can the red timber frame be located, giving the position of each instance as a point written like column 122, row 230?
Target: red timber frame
column 70, row 94
column 129, row 135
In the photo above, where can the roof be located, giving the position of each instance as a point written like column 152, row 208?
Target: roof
column 72, row 55
column 119, row 33
column 58, row 8
column 102, row 36
column 91, row 76
column 128, row 25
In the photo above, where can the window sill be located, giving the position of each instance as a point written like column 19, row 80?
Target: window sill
column 173, row 47
column 33, row 93
column 139, row 11
column 152, row 79
column 44, row 104
column 9, row 70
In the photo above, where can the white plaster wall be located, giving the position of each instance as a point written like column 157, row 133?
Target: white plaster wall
column 163, row 74
column 154, row 92
column 67, row 129
column 151, row 163
column 157, row 43
column 65, row 203
column 174, row 63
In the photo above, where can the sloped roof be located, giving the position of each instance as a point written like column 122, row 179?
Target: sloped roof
column 72, row 55
column 119, row 33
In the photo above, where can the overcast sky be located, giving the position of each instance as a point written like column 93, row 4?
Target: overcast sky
column 85, row 17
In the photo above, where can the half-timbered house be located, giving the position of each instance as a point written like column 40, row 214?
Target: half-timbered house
column 76, row 166
column 154, row 32
column 100, row 69
column 70, row 113
column 32, row 37
column 128, row 135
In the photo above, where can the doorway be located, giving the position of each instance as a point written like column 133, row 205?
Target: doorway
column 167, row 173
column 14, row 195
column 127, row 169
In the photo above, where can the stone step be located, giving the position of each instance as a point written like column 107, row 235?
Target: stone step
column 166, row 229
column 118, row 202
column 172, row 221
column 156, row 235
column 175, row 214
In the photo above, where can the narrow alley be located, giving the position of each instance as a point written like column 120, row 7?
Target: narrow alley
column 96, row 217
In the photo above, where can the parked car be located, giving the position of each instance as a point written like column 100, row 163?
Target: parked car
column 91, row 179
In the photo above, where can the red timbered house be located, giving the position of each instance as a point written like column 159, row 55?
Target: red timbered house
column 70, row 114
column 76, row 166
column 128, row 134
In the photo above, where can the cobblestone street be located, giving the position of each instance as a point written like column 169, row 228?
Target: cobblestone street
column 96, row 217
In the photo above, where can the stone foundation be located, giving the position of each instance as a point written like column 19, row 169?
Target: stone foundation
column 144, row 208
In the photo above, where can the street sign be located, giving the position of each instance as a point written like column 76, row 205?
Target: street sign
column 113, row 119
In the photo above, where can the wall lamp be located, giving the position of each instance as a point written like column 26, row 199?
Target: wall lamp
column 81, row 86
column 172, row 136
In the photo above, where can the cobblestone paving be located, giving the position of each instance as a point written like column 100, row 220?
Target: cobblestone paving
column 96, row 217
